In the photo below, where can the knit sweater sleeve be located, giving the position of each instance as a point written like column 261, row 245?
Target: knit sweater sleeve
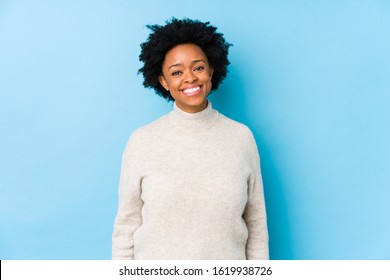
column 255, row 212
column 129, row 215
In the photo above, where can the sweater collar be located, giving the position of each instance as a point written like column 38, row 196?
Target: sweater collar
column 195, row 121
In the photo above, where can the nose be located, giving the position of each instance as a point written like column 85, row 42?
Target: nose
column 190, row 77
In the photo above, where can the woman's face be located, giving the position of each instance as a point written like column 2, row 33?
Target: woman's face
column 186, row 73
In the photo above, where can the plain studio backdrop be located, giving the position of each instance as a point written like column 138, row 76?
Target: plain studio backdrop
column 310, row 78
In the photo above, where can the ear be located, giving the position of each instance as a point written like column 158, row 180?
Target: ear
column 163, row 82
column 211, row 71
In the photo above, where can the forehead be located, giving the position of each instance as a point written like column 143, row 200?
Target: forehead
column 184, row 53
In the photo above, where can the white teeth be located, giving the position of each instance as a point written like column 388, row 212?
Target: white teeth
column 191, row 90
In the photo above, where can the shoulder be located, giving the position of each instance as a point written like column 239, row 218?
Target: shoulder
column 151, row 129
column 240, row 136
column 236, row 128
column 144, row 136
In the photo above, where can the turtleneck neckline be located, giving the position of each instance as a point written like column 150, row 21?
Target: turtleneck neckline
column 195, row 121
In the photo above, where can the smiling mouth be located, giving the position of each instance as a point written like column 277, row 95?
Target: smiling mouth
column 191, row 91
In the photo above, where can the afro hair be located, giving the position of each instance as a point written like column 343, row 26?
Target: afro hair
column 176, row 32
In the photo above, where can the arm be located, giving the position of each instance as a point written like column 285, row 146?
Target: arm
column 255, row 212
column 129, row 217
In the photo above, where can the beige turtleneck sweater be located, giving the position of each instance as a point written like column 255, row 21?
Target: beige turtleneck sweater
column 191, row 188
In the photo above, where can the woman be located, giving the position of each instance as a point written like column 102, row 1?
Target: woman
column 190, row 184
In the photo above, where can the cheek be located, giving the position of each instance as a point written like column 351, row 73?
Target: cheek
column 205, row 77
column 174, row 83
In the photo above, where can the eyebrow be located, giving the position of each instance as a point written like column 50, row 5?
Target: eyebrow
column 193, row 62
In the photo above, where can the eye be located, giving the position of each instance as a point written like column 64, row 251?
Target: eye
column 199, row 68
column 176, row 73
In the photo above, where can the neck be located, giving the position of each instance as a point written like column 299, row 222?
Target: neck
column 193, row 109
column 194, row 121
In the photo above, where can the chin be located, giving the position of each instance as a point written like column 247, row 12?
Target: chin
column 197, row 102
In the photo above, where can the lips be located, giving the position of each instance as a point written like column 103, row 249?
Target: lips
column 191, row 91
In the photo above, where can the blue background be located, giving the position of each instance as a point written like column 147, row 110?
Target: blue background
column 310, row 78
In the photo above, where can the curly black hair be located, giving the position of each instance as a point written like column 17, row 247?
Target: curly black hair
column 176, row 32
